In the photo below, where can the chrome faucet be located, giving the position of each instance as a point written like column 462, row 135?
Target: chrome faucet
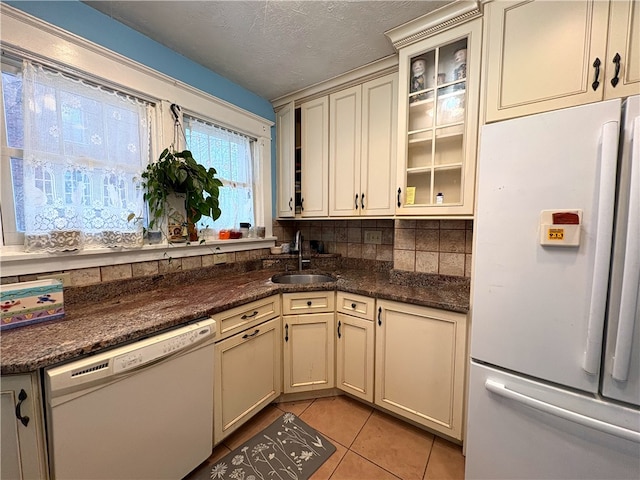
column 297, row 245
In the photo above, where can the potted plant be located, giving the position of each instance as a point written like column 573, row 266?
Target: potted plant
column 180, row 173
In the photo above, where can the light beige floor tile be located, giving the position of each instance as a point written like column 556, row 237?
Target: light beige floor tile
column 354, row 467
column 446, row 461
column 261, row 421
column 394, row 445
column 294, row 407
column 340, row 418
column 328, row 467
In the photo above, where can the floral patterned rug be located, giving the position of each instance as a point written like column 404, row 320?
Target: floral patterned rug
column 288, row 449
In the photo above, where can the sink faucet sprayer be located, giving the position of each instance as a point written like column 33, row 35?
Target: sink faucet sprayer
column 297, row 245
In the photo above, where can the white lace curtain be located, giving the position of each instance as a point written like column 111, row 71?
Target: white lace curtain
column 231, row 154
column 84, row 151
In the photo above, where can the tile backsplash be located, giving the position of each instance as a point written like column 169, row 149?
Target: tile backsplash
column 424, row 246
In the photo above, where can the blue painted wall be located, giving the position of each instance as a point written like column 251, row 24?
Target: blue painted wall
column 86, row 22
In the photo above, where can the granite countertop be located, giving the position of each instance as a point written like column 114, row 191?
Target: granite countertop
column 95, row 321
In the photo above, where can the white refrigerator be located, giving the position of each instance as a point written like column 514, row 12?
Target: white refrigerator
column 554, row 383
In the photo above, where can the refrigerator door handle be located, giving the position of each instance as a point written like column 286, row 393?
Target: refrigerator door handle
column 631, row 268
column 604, row 230
column 501, row 390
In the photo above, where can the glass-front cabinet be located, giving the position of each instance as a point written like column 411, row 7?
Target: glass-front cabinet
column 438, row 122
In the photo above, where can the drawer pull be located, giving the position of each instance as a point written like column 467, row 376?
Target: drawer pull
column 22, row 396
column 309, row 303
column 353, row 305
column 339, row 325
column 247, row 335
column 245, row 316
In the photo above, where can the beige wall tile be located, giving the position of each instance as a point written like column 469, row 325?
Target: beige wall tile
column 85, row 276
column 452, row 241
column 428, row 240
column 427, row 262
column 467, row 265
column 405, row 239
column 384, row 253
column 342, row 234
column 189, row 263
column 208, row 260
column 451, row 264
column 468, row 248
column 354, row 235
column 143, row 269
column 428, row 224
column 8, row 280
column 243, row 256
column 399, row 223
column 369, row 251
column 404, row 260
column 116, row 272
column 341, row 248
column 453, row 224
column 387, row 236
column 170, row 265
column 354, row 250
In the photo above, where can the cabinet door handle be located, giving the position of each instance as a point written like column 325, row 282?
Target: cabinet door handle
column 362, row 201
column 286, row 332
column 356, row 201
column 339, row 325
column 302, row 204
column 290, row 203
column 22, row 396
column 616, row 75
column 247, row 335
column 399, row 192
column 309, row 303
column 596, row 65
column 245, row 316
column 379, row 316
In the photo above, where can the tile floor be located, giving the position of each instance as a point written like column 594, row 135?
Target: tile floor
column 370, row 445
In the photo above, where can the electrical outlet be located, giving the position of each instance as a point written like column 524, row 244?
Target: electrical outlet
column 373, row 236
column 65, row 278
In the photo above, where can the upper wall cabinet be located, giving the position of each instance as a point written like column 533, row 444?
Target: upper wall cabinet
column 543, row 56
column 438, row 122
column 362, row 139
column 286, row 153
column 313, row 157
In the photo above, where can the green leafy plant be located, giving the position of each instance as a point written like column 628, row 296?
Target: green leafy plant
column 179, row 172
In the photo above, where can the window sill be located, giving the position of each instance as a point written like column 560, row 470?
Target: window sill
column 14, row 261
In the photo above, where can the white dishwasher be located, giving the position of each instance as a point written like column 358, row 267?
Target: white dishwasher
column 140, row 411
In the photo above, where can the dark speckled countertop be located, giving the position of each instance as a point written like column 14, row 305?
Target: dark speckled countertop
column 95, row 321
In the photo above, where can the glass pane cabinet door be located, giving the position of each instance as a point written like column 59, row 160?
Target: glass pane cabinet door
column 440, row 133
column 437, row 94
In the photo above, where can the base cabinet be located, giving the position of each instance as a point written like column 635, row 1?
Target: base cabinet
column 355, row 345
column 308, row 341
column 420, row 365
column 247, row 376
column 22, row 441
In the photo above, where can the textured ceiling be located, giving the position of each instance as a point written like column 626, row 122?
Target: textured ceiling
column 271, row 47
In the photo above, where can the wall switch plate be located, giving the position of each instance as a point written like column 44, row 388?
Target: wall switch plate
column 373, row 236
column 65, row 278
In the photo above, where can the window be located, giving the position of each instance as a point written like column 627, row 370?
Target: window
column 75, row 152
column 232, row 155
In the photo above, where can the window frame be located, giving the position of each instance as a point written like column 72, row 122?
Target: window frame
column 54, row 46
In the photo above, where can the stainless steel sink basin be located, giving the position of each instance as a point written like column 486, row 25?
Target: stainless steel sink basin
column 302, row 278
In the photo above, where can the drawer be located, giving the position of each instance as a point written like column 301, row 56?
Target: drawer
column 308, row 302
column 245, row 316
column 356, row 305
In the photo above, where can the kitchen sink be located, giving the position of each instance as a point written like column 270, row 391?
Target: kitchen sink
column 302, row 278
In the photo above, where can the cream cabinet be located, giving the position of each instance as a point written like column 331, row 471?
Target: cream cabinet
column 355, row 344
column 420, row 365
column 308, row 341
column 23, row 440
column 286, row 159
column 314, row 158
column 438, row 122
column 362, row 140
column 248, row 363
column 584, row 51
